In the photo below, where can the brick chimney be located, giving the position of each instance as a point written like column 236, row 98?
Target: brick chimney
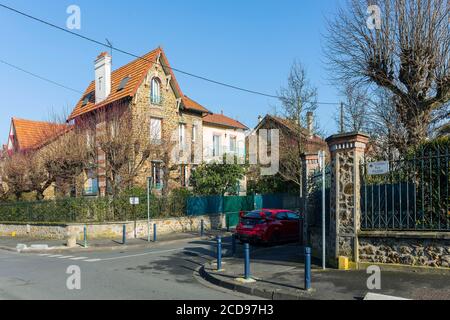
column 103, row 65
column 310, row 123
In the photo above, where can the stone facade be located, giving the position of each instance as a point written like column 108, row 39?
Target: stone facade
column 170, row 115
column 347, row 151
column 413, row 249
column 114, row 230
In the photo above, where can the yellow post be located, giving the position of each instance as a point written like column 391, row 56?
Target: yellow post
column 13, row 234
column 343, row 263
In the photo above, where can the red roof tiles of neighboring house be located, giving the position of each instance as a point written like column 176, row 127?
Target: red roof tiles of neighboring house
column 220, row 119
column 136, row 70
column 190, row 104
column 34, row 134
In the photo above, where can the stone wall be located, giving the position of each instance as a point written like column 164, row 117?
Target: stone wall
column 411, row 248
column 114, row 230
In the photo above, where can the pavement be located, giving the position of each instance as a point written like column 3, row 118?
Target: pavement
column 181, row 267
column 279, row 275
column 164, row 270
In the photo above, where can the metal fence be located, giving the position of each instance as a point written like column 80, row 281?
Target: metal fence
column 414, row 195
column 105, row 209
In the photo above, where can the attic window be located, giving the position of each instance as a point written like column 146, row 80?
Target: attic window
column 86, row 99
column 123, row 83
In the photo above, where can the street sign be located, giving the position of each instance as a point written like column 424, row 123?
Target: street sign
column 134, row 201
column 378, row 168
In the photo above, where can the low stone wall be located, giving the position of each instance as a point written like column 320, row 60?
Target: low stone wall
column 113, row 230
column 431, row 249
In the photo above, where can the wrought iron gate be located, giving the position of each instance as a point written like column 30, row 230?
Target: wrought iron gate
column 414, row 195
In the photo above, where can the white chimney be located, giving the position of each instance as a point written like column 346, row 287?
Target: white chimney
column 103, row 65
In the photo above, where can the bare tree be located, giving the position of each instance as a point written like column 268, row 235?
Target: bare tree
column 126, row 147
column 297, row 99
column 408, row 55
column 356, row 116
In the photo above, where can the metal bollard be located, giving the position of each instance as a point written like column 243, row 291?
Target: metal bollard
column 154, row 233
column 124, row 234
column 202, row 228
column 85, row 237
column 307, row 268
column 247, row 261
column 148, row 232
column 228, row 223
column 219, row 253
column 233, row 244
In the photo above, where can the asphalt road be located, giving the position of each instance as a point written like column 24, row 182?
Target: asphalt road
column 163, row 272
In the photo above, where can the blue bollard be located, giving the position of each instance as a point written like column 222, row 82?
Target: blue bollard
column 202, row 228
column 247, row 261
column 219, row 253
column 85, row 237
column 307, row 268
column 154, row 233
column 233, row 244
column 124, row 234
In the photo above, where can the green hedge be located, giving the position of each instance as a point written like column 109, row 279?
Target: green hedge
column 82, row 210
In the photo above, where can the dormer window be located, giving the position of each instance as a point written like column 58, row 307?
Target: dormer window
column 155, row 94
column 87, row 98
column 123, row 83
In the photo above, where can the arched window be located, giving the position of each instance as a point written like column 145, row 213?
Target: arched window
column 156, row 91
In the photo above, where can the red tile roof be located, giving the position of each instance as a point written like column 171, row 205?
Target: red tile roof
column 33, row 134
column 220, row 119
column 190, row 104
column 136, row 70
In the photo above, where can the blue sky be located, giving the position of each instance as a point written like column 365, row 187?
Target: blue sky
column 249, row 43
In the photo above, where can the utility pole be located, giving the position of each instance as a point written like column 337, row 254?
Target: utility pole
column 322, row 167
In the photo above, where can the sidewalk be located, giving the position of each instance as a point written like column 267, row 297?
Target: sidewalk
column 56, row 246
column 279, row 272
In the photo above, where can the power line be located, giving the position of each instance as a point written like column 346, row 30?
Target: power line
column 108, row 45
column 40, row 77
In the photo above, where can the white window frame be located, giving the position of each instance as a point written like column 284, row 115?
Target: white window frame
column 194, row 132
column 182, row 135
column 235, row 144
column 155, row 136
column 219, row 140
column 155, row 91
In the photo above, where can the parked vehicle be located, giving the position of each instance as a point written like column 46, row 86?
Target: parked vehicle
column 270, row 226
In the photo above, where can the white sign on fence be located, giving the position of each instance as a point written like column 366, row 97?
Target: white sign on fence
column 378, row 168
column 134, row 201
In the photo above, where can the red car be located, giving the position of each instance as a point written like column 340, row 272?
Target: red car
column 269, row 226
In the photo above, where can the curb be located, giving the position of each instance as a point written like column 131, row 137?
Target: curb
column 81, row 249
column 271, row 294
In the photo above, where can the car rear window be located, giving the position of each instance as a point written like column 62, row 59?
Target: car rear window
column 256, row 215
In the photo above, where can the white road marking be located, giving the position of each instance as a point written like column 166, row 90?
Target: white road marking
column 93, row 260
column 56, row 256
column 45, row 254
column 79, row 258
column 66, row 257
column 142, row 254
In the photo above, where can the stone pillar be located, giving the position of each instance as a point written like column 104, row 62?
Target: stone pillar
column 310, row 163
column 347, row 151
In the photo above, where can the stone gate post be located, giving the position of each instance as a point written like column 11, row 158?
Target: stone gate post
column 347, row 150
column 310, row 163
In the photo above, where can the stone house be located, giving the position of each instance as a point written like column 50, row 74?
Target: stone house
column 290, row 148
column 148, row 88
